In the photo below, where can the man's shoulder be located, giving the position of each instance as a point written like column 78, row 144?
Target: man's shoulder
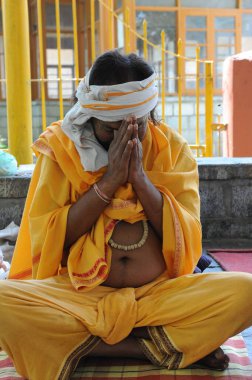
column 178, row 144
column 172, row 135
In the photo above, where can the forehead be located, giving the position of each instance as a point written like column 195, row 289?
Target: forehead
column 116, row 124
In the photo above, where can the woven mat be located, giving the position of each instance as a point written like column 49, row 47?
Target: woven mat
column 240, row 368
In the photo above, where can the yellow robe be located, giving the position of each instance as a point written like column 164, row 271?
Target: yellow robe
column 59, row 180
column 56, row 315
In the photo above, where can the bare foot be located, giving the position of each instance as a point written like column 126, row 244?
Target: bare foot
column 216, row 360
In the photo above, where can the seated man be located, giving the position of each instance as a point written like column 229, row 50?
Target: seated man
column 109, row 240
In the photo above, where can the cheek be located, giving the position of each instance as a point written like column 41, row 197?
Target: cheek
column 103, row 136
column 107, row 137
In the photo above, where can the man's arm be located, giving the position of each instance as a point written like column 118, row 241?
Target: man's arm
column 150, row 198
column 84, row 213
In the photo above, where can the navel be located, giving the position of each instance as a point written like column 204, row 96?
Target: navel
column 124, row 259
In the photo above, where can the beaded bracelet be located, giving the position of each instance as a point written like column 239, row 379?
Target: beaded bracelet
column 100, row 194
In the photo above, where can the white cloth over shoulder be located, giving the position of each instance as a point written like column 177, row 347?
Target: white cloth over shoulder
column 107, row 103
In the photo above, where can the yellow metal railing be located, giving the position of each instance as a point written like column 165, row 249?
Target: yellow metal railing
column 57, row 13
column 41, row 65
column 179, row 69
column 76, row 54
column 16, row 145
column 163, row 74
column 207, row 148
column 145, row 46
column 127, row 47
column 209, row 108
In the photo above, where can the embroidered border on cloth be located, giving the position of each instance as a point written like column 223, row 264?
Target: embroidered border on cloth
column 73, row 359
column 92, row 270
column 102, row 271
column 160, row 338
column 240, row 367
column 123, row 204
column 28, row 271
column 178, row 238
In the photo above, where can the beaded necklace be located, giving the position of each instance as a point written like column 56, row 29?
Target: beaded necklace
column 131, row 247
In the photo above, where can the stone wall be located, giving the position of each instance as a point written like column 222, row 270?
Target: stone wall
column 13, row 191
column 226, row 200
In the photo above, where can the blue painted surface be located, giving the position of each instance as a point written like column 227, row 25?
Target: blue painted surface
column 247, row 334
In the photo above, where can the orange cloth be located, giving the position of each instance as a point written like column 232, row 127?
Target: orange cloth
column 59, row 180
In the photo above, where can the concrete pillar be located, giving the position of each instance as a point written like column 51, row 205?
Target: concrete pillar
column 237, row 104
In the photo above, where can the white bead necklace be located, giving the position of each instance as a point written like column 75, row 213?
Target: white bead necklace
column 131, row 247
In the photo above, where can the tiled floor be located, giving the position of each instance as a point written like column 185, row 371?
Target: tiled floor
column 247, row 334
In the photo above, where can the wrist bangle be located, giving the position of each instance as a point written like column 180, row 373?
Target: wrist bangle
column 100, row 194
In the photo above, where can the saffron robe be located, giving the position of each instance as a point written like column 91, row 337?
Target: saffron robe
column 56, row 315
column 59, row 180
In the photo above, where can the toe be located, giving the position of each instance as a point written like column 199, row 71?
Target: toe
column 219, row 359
column 216, row 360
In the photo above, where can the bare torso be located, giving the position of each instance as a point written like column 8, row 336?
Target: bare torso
column 139, row 266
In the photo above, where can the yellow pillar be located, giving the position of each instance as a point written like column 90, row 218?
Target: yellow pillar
column 130, row 4
column 106, row 25
column 18, row 76
column 92, row 22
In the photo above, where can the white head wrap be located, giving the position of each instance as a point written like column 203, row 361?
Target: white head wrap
column 107, row 103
